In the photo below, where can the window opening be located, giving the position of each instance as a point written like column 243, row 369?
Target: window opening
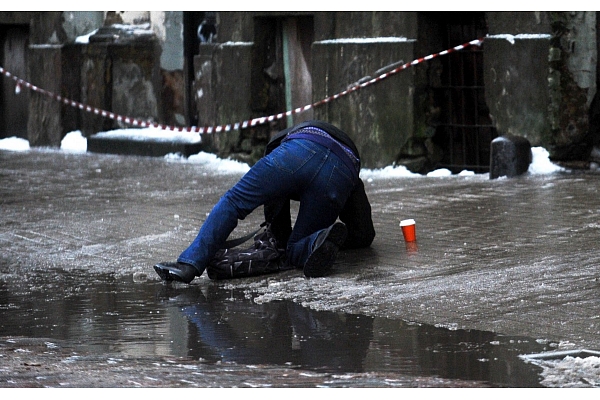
column 465, row 130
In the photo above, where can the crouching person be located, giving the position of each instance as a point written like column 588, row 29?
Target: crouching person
column 314, row 163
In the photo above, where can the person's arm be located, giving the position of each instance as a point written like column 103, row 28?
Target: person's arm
column 357, row 217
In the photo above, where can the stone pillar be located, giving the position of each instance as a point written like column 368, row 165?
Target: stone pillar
column 380, row 117
column 222, row 91
column 509, row 156
column 44, row 126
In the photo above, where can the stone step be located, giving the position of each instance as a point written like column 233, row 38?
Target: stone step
column 146, row 147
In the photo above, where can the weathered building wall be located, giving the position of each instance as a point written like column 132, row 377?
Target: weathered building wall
column 40, row 60
column 379, row 118
column 118, row 72
column 236, row 26
column 123, row 78
column 516, row 77
column 541, row 78
column 360, row 24
column 539, row 73
column 573, row 85
column 80, row 23
column 44, row 126
column 222, row 90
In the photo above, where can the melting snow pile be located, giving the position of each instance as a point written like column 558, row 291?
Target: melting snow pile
column 14, row 144
column 150, row 134
column 75, row 142
column 571, row 372
column 541, row 164
column 212, row 161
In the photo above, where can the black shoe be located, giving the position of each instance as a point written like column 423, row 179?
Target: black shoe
column 325, row 250
column 176, row 271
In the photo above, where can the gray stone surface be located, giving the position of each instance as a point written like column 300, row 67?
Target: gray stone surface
column 514, row 256
column 511, row 256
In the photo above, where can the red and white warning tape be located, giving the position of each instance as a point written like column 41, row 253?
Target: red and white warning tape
column 225, row 128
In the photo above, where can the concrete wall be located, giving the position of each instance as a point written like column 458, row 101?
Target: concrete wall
column 351, row 46
column 359, row 24
column 517, row 86
column 80, row 23
column 222, row 91
column 117, row 71
column 379, row 118
column 541, row 78
column 44, row 126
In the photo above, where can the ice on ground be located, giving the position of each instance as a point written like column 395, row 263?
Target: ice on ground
column 212, row 161
column 14, row 144
column 388, row 172
column 571, row 372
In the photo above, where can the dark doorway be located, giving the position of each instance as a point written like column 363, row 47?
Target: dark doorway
column 465, row 129
column 14, row 102
column 281, row 61
column 192, row 21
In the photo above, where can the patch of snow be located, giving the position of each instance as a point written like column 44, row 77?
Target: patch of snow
column 14, row 144
column 541, row 164
column 45, row 46
column 135, row 28
column 150, row 134
column 236, row 44
column 511, row 38
column 367, row 40
column 212, row 161
column 388, row 172
column 439, row 173
column 74, row 142
column 85, row 38
column 571, row 372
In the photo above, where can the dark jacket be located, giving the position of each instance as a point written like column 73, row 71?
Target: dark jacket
column 356, row 213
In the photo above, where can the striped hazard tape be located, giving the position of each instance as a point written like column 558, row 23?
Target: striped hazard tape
column 136, row 122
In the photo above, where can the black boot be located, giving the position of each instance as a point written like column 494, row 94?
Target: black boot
column 325, row 250
column 176, row 271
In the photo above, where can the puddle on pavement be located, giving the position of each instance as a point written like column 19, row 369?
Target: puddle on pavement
column 211, row 324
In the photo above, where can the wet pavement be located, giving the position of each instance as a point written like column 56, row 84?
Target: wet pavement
column 501, row 268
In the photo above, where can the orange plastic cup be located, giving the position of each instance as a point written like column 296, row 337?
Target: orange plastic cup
column 409, row 230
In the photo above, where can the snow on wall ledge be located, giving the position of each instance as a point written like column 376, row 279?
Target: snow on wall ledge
column 511, row 38
column 366, row 40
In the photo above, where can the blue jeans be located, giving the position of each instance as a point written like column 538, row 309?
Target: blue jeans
column 298, row 169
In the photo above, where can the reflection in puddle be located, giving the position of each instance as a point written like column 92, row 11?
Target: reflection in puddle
column 212, row 325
